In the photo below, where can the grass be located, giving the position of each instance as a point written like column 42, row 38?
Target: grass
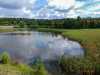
column 8, row 69
column 21, row 69
column 12, row 30
column 89, row 39
column 6, row 30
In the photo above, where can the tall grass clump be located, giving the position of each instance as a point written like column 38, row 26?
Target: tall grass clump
column 39, row 67
column 5, row 58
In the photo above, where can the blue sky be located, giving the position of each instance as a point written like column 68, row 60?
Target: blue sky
column 49, row 9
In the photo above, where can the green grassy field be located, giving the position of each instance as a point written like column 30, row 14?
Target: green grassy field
column 88, row 38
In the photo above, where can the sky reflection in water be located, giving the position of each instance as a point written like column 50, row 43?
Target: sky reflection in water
column 38, row 44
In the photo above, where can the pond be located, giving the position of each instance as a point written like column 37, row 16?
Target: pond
column 25, row 46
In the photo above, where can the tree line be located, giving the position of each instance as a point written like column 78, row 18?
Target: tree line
column 67, row 23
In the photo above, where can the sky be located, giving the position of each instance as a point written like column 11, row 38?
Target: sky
column 49, row 9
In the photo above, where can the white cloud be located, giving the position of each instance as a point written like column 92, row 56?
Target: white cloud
column 16, row 8
column 51, row 9
column 79, row 4
column 71, row 14
column 96, row 12
column 88, row 9
column 16, row 3
column 96, row 7
column 61, row 4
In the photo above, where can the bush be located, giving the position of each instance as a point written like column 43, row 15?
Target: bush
column 5, row 58
column 25, row 69
column 41, row 70
column 39, row 67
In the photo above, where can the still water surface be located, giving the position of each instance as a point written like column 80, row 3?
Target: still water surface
column 24, row 46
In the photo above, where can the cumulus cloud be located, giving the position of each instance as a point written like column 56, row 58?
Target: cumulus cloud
column 49, row 9
column 16, row 8
column 56, row 9
column 61, row 4
column 16, row 4
column 90, row 9
column 70, row 9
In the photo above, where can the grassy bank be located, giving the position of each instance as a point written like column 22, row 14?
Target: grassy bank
column 6, row 30
column 22, row 69
column 10, row 67
column 14, row 29
column 9, row 70
column 89, row 39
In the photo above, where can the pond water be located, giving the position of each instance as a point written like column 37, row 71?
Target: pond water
column 24, row 46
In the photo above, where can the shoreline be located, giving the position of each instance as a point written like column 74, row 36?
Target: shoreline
column 86, row 37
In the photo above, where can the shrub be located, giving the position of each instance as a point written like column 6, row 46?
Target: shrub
column 41, row 70
column 25, row 69
column 39, row 67
column 5, row 58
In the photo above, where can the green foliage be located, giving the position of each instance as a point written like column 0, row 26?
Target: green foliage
column 70, row 65
column 41, row 70
column 21, row 69
column 90, row 40
column 5, row 58
column 25, row 69
column 39, row 67
column 67, row 23
column 7, row 69
column 77, row 66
